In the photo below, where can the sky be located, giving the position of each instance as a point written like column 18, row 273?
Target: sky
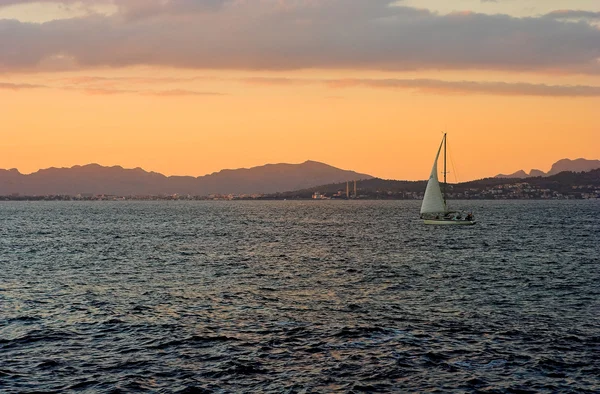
column 190, row 87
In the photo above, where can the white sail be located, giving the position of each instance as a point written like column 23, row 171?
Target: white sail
column 433, row 201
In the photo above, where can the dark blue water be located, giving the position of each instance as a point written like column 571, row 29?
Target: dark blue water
column 298, row 297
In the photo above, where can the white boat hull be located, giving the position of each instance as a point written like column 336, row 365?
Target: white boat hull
column 449, row 222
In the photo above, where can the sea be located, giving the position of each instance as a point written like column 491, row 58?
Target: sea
column 298, row 297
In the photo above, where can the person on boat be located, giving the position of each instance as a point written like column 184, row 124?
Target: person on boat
column 469, row 217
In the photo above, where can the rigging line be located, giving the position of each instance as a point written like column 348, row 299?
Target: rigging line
column 453, row 167
column 442, row 171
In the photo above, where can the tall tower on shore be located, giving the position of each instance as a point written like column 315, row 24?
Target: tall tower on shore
column 347, row 189
column 355, row 189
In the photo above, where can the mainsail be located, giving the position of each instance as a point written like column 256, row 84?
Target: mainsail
column 433, row 201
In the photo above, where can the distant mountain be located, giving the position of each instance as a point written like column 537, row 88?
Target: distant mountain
column 95, row 180
column 577, row 165
column 534, row 173
column 518, row 174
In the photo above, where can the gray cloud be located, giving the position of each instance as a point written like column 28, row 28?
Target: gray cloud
column 136, row 8
column 5, row 3
column 573, row 14
column 297, row 34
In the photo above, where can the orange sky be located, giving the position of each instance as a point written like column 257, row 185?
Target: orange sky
column 197, row 120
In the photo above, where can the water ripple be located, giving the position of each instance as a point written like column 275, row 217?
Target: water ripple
column 298, row 297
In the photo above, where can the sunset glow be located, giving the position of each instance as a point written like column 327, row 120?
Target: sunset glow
column 183, row 89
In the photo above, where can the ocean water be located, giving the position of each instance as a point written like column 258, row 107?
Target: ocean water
column 298, row 297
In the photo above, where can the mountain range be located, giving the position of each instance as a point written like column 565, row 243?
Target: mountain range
column 577, row 165
column 95, row 179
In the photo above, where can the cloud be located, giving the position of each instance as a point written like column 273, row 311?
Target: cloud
column 105, row 91
column 134, row 8
column 87, row 85
column 435, row 86
column 181, row 92
column 573, row 14
column 275, row 81
column 6, row 3
column 471, row 87
column 111, row 81
column 99, row 85
column 115, row 85
column 156, row 93
column 300, row 34
column 19, row 86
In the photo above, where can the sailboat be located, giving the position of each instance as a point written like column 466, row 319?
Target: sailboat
column 434, row 209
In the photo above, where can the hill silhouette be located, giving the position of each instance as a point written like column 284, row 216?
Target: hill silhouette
column 577, row 165
column 567, row 183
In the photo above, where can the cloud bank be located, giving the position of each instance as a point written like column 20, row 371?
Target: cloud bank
column 298, row 34
column 113, row 85
column 19, row 86
column 573, row 14
column 472, row 87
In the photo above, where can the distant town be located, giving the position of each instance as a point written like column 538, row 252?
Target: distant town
column 519, row 191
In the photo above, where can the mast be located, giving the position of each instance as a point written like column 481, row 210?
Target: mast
column 445, row 142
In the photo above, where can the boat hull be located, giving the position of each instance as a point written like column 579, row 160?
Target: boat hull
column 449, row 222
